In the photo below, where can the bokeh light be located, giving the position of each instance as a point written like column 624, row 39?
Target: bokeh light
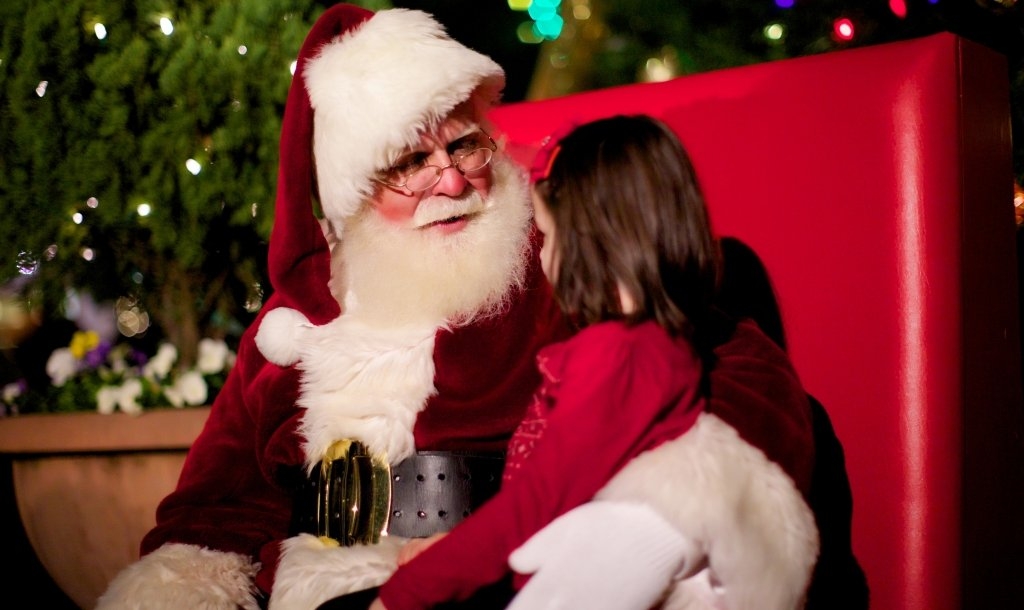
column 843, row 29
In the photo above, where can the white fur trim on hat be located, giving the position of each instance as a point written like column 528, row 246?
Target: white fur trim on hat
column 281, row 335
column 373, row 90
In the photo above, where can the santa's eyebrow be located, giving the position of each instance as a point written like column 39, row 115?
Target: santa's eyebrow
column 460, row 141
column 411, row 153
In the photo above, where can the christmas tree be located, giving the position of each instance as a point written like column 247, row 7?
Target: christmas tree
column 139, row 153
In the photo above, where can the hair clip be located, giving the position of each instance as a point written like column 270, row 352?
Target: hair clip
column 541, row 168
column 550, row 146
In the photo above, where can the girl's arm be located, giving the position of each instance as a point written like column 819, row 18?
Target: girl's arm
column 619, row 392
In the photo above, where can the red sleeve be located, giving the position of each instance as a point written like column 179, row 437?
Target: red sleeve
column 621, row 391
column 755, row 389
column 226, row 497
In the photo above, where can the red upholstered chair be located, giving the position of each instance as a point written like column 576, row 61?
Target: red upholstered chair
column 876, row 185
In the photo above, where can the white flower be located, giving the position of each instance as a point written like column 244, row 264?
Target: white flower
column 189, row 389
column 214, row 356
column 130, row 390
column 112, row 397
column 173, row 396
column 12, row 391
column 61, row 366
column 192, row 387
column 106, row 399
column 160, row 365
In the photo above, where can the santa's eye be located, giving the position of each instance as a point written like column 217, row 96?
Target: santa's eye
column 405, row 166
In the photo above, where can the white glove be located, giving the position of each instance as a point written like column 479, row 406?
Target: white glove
column 604, row 554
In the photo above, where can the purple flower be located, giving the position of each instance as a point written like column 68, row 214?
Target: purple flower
column 137, row 356
column 95, row 357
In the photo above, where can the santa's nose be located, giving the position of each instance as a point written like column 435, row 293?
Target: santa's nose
column 452, row 183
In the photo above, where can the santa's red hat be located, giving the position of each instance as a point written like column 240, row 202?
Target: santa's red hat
column 370, row 83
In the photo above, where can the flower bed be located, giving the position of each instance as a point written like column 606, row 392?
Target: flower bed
column 92, row 375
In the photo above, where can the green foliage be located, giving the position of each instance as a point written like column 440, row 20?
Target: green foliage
column 706, row 36
column 714, row 34
column 115, row 125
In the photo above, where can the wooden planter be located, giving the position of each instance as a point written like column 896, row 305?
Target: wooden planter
column 87, row 486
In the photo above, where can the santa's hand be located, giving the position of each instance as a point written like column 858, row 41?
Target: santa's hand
column 603, row 555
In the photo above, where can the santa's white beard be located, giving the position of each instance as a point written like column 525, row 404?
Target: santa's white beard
column 395, row 275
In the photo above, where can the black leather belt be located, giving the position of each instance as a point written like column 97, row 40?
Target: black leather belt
column 354, row 497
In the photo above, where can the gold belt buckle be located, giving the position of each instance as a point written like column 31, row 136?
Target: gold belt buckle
column 354, row 503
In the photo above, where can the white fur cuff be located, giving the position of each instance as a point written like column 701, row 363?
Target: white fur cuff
column 312, row 571
column 759, row 534
column 178, row 576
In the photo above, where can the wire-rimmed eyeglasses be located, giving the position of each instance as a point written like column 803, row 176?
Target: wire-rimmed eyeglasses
column 468, row 154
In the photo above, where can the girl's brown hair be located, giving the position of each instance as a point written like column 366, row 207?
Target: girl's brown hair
column 628, row 210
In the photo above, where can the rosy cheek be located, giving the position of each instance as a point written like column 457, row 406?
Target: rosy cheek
column 481, row 184
column 395, row 207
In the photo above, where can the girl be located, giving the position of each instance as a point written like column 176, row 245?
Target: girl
column 633, row 263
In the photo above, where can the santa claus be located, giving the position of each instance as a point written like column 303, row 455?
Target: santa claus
column 406, row 312
column 408, row 307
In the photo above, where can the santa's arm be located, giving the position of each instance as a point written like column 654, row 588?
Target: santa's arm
column 740, row 509
column 704, row 521
column 733, row 487
column 201, row 553
column 184, row 576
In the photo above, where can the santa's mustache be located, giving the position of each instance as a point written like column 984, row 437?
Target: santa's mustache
column 439, row 208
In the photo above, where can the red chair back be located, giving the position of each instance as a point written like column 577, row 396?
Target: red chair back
column 876, row 185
